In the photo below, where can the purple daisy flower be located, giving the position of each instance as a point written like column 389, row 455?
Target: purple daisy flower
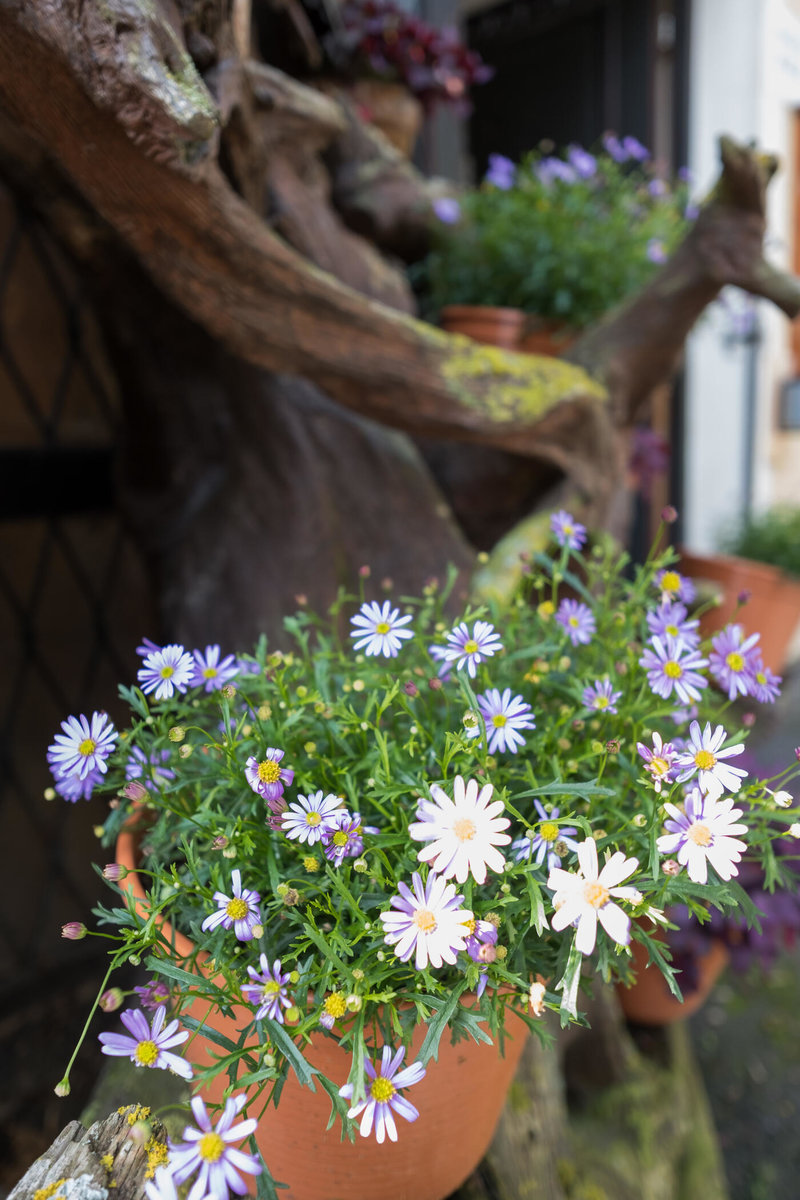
column 307, row 819
column 765, row 686
column 470, row 649
column 447, row 209
column 550, row 169
column 379, row 629
column 661, row 763
column 268, row 990
column 634, row 149
column 83, row 747
column 674, row 586
column 566, row 530
column 703, row 755
column 614, row 148
column 600, row 696
column 657, row 187
column 239, row 912
column 734, row 660
column 577, row 620
column 502, row 172
column 342, row 837
column 703, row 833
column 208, row 1151
column 427, row 922
column 148, row 1046
column 152, row 768
column 504, row 715
column 584, row 163
column 539, row 844
column 209, row 672
column 267, row 778
column 166, row 671
column 383, row 1098
column 73, row 788
column 656, row 251
column 671, row 618
column 672, row 666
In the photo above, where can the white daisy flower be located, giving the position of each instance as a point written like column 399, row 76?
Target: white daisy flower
column 703, row 833
column 583, row 897
column 704, row 756
column 379, row 629
column 309, row 817
column 427, row 922
column 464, row 832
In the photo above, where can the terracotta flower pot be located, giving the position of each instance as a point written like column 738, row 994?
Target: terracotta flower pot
column 550, row 338
column 493, row 326
column 649, row 1001
column 459, row 1102
column 773, row 609
column 392, row 108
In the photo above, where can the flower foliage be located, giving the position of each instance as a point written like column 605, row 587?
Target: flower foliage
column 562, row 237
column 411, row 857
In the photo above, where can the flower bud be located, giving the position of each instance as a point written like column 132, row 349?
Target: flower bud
column 435, row 684
column 140, row 1133
column 794, row 830
column 268, row 1059
column 671, row 866
column 301, row 600
column 134, row 960
column 292, row 1015
column 177, row 733
column 353, row 1003
column 62, row 1088
column 748, row 719
column 282, row 889
column 640, row 820
column 361, row 865
column 134, row 790
column 219, row 842
column 744, row 596
column 294, row 977
column 114, row 872
column 228, row 691
column 669, row 514
column 229, row 852
column 410, row 688
column 783, row 799
column 111, row 999
column 365, row 571
column 291, row 897
column 74, row 931
column 185, row 750
column 613, row 746
column 310, row 864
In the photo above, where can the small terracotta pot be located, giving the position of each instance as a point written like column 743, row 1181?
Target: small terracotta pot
column 493, row 326
column 773, row 609
column 649, row 1001
column 549, row 338
column 459, row 1102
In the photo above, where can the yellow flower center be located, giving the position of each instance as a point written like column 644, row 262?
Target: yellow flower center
column 211, row 1147
column 672, row 670
column 210, row 673
column 424, row 920
column 548, row 831
column 735, row 660
column 704, row 759
column 381, row 1089
column 672, row 630
column 269, row 771
column 340, row 838
column 469, row 926
column 270, row 988
column 87, row 747
column 595, row 894
column 383, row 627
column 464, row 829
column 498, row 720
column 568, row 529
column 236, row 908
column 167, row 672
column 573, row 621
column 146, row 1054
column 601, row 701
column 470, row 647
column 670, row 581
column 313, row 819
column 335, row 1004
column 659, row 766
column 760, row 677
column 699, row 834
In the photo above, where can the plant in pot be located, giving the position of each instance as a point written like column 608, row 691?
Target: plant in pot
column 551, row 243
column 397, row 66
column 756, row 581
column 361, row 870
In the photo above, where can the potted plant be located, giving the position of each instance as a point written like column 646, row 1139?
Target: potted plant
column 398, row 66
column 558, row 238
column 755, row 582
column 370, row 864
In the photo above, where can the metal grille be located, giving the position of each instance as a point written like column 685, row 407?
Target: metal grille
column 74, row 601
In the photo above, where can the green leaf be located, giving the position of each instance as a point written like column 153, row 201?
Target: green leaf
column 569, row 983
column 430, row 1046
column 280, row 1038
column 537, row 917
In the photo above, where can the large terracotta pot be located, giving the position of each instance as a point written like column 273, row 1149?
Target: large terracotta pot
column 550, row 338
column 459, row 1102
column 773, row 609
column 649, row 1001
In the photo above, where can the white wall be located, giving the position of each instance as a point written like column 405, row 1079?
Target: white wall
column 745, row 81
